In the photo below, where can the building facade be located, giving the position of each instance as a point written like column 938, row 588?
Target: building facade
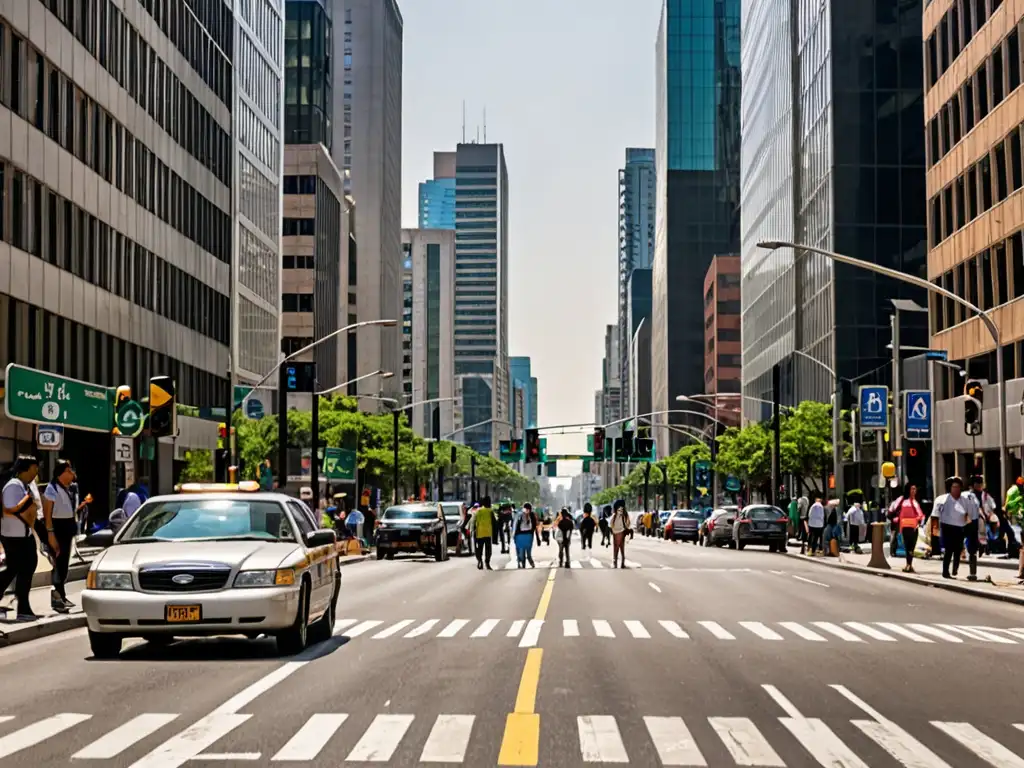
column 481, row 293
column 611, row 377
column 428, row 348
column 309, row 72
column 370, row 148
column 437, row 195
column 637, row 196
column 723, row 352
column 636, row 382
column 974, row 112
column 831, row 158
column 697, row 166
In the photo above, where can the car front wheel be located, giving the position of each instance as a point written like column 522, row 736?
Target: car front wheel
column 293, row 640
column 105, row 646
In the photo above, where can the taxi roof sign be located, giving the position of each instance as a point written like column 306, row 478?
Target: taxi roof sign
column 246, row 486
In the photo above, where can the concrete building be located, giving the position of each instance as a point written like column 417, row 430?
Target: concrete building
column 117, row 217
column 520, row 377
column 723, row 358
column 611, row 381
column 636, row 383
column 637, row 196
column 437, row 195
column 428, row 318
column 481, row 293
column 697, row 165
column 368, row 139
column 973, row 111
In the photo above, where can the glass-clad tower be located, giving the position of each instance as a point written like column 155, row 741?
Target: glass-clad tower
column 308, row 84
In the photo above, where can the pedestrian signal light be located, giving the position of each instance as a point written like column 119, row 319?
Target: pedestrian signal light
column 532, row 445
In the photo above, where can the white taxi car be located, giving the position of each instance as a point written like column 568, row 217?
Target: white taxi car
column 214, row 560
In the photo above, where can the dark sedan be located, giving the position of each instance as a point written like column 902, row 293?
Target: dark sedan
column 683, row 525
column 413, row 527
column 761, row 524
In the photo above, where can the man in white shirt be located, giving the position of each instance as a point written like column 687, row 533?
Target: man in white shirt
column 19, row 510
column 954, row 513
column 816, row 524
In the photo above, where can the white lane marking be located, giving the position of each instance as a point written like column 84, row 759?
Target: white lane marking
column 448, row 739
column 981, row 633
column 603, row 628
column 637, row 630
column 984, row 746
column 40, row 731
column 744, row 742
column 1015, row 632
column 575, row 564
column 674, row 629
column 570, row 628
column 801, row 631
column 759, row 629
column 381, row 739
column 631, row 564
column 485, row 628
column 190, row 743
column 125, row 735
column 866, row 629
column 595, row 563
column 261, row 686
column 835, row 629
column 717, row 630
column 360, row 629
column 654, row 586
column 908, row 633
column 516, row 628
column 423, row 628
column 311, row 737
column 600, row 740
column 778, row 573
column 394, row 629
column 342, row 624
column 810, row 581
column 6, row 718
column 453, row 628
column 816, row 737
column 926, row 629
column 673, row 741
column 532, row 633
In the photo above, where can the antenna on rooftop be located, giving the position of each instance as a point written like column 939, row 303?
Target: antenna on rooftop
column 463, row 121
column 485, row 125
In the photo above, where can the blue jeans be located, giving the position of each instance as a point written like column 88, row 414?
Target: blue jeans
column 524, row 547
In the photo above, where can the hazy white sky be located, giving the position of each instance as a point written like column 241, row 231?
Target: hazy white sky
column 567, row 85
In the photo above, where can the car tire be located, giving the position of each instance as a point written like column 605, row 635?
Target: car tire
column 293, row 640
column 323, row 628
column 104, row 645
column 381, row 553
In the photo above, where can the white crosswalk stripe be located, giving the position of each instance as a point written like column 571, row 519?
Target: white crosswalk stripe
column 37, row 732
column 801, row 631
column 980, row 633
column 311, row 738
column 674, row 629
column 838, row 631
column 935, row 632
column 870, row 631
column 673, row 741
column 361, row 628
column 908, row 633
column 448, row 739
column 485, row 628
column 393, row 629
column 423, row 628
column 193, row 741
column 637, row 630
column 761, row 630
column 717, row 630
column 570, row 628
column 745, row 742
column 981, row 744
column 603, row 628
column 532, row 633
column 600, row 740
column 381, row 739
column 453, row 628
column 124, row 736
column 516, row 628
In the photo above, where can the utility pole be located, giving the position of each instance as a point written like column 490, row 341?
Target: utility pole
column 776, row 426
column 897, row 421
column 396, row 415
column 314, row 454
column 647, row 480
column 282, row 429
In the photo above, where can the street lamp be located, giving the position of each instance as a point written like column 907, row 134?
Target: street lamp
column 396, row 413
column 919, row 282
column 356, row 380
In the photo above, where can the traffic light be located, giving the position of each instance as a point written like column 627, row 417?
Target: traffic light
column 974, row 394
column 599, row 443
column 163, row 417
column 430, row 453
column 532, row 445
column 644, row 447
column 122, row 395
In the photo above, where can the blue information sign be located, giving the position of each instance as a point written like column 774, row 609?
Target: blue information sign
column 917, row 413
column 874, row 407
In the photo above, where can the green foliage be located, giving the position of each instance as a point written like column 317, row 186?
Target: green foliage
column 198, row 467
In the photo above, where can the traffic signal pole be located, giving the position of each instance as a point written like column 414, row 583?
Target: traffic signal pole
column 396, row 415
column 282, row 431
column 314, row 454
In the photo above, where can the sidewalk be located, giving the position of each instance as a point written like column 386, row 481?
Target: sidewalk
column 12, row 633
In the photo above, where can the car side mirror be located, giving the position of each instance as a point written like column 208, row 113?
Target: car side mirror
column 102, row 538
column 321, row 538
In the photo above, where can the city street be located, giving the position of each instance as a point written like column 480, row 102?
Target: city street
column 691, row 657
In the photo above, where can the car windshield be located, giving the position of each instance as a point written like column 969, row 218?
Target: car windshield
column 689, row 514
column 765, row 513
column 410, row 513
column 452, row 511
column 211, row 519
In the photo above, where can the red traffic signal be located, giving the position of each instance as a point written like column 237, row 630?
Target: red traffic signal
column 913, row 453
column 599, row 443
column 532, row 445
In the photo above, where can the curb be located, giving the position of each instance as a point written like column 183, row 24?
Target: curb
column 963, row 589
column 44, row 628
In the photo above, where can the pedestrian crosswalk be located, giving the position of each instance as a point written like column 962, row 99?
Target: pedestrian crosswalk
column 529, row 632
column 772, row 740
column 604, row 560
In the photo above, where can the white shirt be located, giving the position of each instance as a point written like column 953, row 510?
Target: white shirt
column 816, row 516
column 131, row 503
column 952, row 511
column 855, row 515
column 14, row 527
column 63, row 506
column 985, row 503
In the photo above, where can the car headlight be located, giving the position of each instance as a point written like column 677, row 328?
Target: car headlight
column 101, row 580
column 281, row 577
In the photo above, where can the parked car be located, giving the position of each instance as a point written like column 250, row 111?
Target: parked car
column 718, row 527
column 761, row 524
column 683, row 525
column 413, row 527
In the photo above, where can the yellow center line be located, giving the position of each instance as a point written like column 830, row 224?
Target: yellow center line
column 520, row 745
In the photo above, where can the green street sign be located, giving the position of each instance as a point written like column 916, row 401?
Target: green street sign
column 240, row 392
column 39, row 397
column 340, row 464
column 129, row 418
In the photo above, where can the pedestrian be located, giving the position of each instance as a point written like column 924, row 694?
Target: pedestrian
column 976, row 530
column 59, row 529
column 620, row 527
column 953, row 515
column 815, row 524
column 606, row 531
column 563, row 535
column 484, row 523
column 587, row 526
column 525, row 527
column 802, row 505
column 20, row 506
column 909, row 517
column 505, row 525
column 854, row 521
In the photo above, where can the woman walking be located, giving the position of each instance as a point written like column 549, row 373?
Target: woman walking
column 620, row 527
column 909, row 517
column 525, row 527
column 565, row 526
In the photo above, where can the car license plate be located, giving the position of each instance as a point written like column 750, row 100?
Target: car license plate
column 406, row 545
column 180, row 614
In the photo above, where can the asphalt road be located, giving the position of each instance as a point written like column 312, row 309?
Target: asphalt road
column 692, row 656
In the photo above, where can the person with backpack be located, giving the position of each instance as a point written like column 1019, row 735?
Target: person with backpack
column 20, row 501
column 525, row 527
column 587, row 526
column 620, row 527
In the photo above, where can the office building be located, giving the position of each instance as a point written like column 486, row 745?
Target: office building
column 518, row 410
column 520, row 377
column 835, row 162
column 481, row 293
column 437, row 195
column 428, row 316
column 367, row 148
column 723, row 356
column 611, row 377
column 637, row 196
column 973, row 116
column 636, row 381
column 697, row 166
column 309, row 72
column 116, row 212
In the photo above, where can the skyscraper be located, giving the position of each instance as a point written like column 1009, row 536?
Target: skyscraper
column 437, row 195
column 636, row 380
column 697, row 166
column 611, row 375
column 481, row 292
column 520, row 375
column 637, row 195
column 309, row 72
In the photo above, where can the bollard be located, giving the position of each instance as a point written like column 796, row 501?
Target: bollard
column 878, row 559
